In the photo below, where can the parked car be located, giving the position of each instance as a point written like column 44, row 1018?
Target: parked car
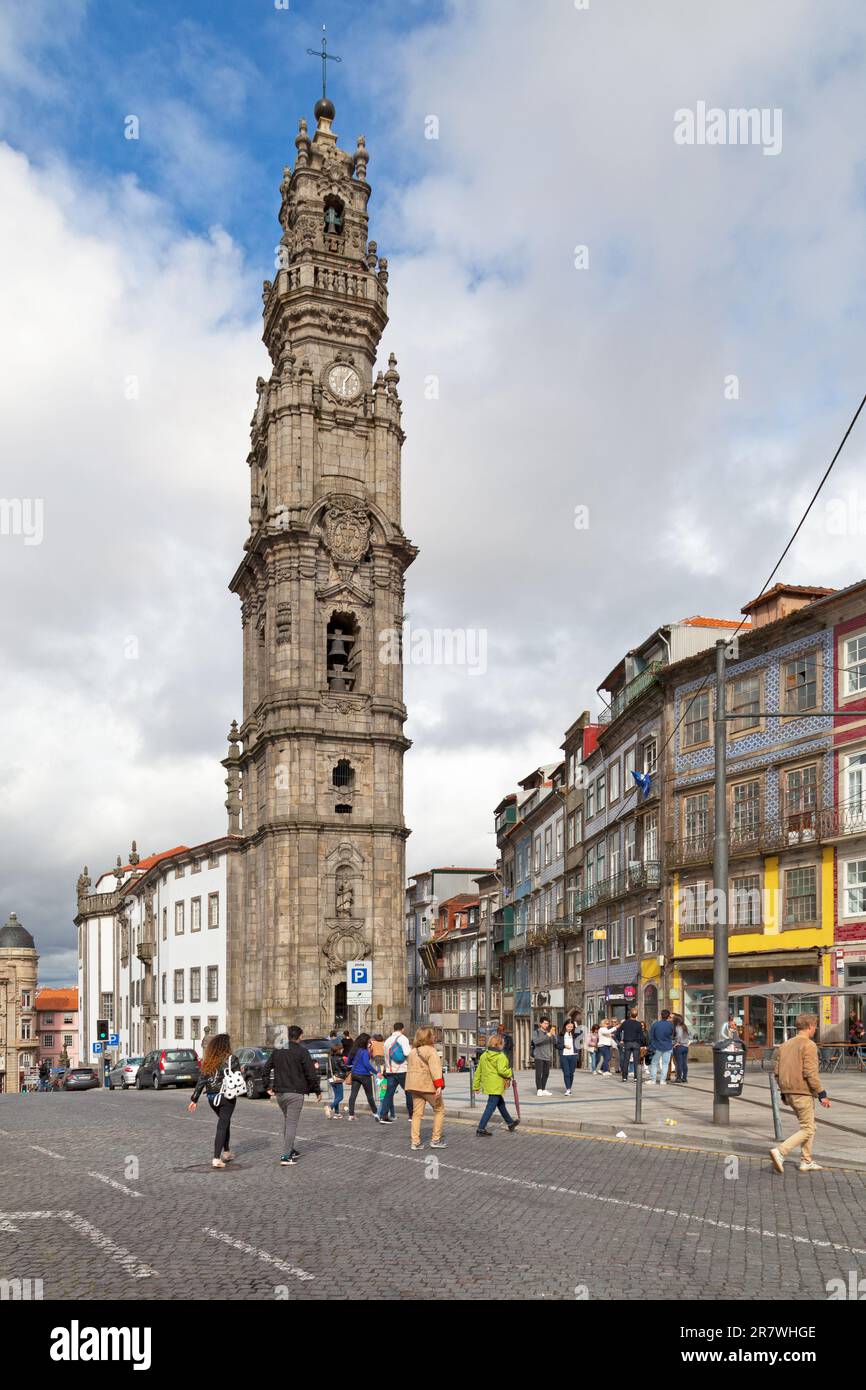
column 123, row 1073
column 320, row 1050
column 80, row 1079
column 168, row 1066
column 253, row 1063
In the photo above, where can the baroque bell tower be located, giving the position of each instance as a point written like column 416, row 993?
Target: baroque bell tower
column 315, row 771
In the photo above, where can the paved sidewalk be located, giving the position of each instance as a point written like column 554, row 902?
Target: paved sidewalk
column 683, row 1114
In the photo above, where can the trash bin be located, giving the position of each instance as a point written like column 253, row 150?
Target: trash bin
column 729, row 1063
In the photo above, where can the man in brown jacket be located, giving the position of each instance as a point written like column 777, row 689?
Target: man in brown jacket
column 796, row 1071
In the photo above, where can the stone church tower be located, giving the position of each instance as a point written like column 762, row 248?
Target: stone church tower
column 315, row 772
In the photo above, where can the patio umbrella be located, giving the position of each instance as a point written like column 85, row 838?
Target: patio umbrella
column 790, row 989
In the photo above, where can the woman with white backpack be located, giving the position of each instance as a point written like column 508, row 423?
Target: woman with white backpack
column 222, row 1080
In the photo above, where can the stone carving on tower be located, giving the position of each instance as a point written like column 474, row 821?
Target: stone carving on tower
column 315, row 768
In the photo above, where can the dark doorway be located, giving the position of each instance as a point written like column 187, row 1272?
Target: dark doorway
column 341, row 1012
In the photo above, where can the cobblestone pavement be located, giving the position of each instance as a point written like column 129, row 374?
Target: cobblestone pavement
column 514, row 1216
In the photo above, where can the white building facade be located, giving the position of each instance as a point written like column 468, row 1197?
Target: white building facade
column 153, row 950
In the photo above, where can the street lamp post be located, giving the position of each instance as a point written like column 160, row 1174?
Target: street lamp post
column 721, row 1104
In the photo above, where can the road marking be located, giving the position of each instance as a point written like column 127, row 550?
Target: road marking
column 610, row 1201
column 50, row 1152
column 130, row 1192
column 133, row 1266
column 282, row 1265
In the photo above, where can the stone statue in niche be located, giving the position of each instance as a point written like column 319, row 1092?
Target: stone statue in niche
column 345, row 898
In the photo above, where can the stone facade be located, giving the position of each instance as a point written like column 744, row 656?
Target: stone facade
column 315, row 771
column 18, row 970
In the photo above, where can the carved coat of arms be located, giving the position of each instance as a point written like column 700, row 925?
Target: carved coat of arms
column 347, row 531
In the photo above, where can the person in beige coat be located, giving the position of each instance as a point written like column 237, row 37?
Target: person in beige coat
column 796, row 1071
column 425, row 1083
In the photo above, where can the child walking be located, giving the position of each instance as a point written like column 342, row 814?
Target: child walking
column 492, row 1075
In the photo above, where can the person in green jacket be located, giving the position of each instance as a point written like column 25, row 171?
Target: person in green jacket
column 492, row 1075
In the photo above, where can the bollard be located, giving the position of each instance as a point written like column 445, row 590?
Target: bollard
column 638, row 1088
column 774, row 1101
column 471, row 1084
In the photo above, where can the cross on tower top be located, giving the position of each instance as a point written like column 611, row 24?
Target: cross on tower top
column 326, row 57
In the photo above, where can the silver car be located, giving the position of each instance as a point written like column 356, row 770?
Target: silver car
column 123, row 1073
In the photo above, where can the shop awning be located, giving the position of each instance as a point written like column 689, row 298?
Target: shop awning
column 765, row 960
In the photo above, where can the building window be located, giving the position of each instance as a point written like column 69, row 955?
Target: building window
column 631, row 936
column 695, row 817
column 164, row 1026
column 195, row 984
column 801, row 896
column 601, row 947
column 800, row 683
column 343, row 653
column 651, row 836
column 628, row 766
column 179, row 871
column 178, row 1029
column 106, row 1003
column 854, row 785
column 746, row 901
column 67, row 1040
column 47, row 1020
column 572, row 830
column 599, row 793
column 613, row 782
column 615, row 940
column 213, row 983
column 801, row 800
column 559, row 838
column 548, row 845
column 746, row 808
column 590, row 949
column 164, row 986
column 744, row 700
column 25, row 1029
column 651, row 941
column 855, row 665
column 613, row 855
column 696, row 723
column 590, row 801
column 694, row 905
column 195, row 914
column 178, row 919
column 343, row 775
column 213, row 861
column 213, row 909
column 25, row 999
column 212, row 1024
column 649, row 749
column 195, row 1028
column 178, row 986
column 195, row 866
column 165, row 923
column 48, row 1040
column 854, row 888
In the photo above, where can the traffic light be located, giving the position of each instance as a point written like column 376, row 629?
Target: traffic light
column 102, row 1030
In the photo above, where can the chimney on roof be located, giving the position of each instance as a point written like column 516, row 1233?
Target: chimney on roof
column 781, row 600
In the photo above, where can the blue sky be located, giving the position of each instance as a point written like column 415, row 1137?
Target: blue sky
column 217, row 86
column 559, row 387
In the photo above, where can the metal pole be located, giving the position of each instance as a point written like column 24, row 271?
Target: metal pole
column 488, row 967
column 638, row 1088
column 471, row 1084
column 777, row 1114
column 721, row 1104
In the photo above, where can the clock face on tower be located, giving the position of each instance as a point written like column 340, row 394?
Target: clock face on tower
column 344, row 382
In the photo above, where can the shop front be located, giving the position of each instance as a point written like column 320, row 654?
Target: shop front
column 762, row 1021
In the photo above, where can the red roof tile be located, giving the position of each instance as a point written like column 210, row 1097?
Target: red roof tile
column 48, row 1000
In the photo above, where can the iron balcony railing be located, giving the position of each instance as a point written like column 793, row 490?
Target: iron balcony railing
column 630, row 692
column 640, row 874
column 795, row 826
